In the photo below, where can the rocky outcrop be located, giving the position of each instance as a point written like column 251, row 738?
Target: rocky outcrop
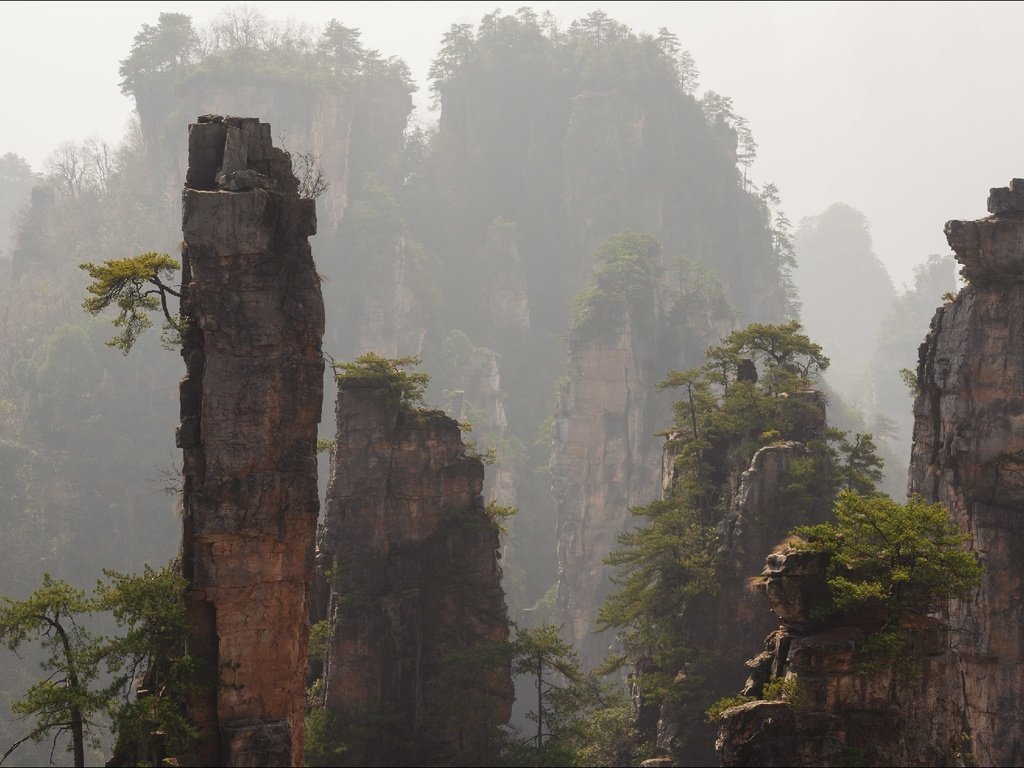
column 417, row 609
column 834, row 703
column 250, row 405
column 968, row 438
column 723, row 627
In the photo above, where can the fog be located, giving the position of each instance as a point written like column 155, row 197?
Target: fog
column 901, row 110
column 579, row 247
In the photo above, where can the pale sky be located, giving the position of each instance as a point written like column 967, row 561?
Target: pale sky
column 908, row 112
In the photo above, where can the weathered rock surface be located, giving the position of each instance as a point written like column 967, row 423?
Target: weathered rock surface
column 968, row 430
column 416, row 596
column 844, row 707
column 605, row 459
column 250, row 405
column 605, row 455
column 726, row 625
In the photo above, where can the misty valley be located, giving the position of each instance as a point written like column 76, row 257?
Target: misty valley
column 536, row 435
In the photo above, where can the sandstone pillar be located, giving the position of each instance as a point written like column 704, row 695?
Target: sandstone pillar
column 250, row 405
column 415, row 666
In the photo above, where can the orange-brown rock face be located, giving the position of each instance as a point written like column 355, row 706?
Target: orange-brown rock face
column 968, row 432
column 416, row 603
column 250, row 405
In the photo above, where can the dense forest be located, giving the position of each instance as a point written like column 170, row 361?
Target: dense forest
column 605, row 296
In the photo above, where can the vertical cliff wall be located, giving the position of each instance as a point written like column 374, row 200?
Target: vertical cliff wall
column 605, row 459
column 417, row 608
column 250, row 405
column 968, row 438
column 722, row 627
column 634, row 323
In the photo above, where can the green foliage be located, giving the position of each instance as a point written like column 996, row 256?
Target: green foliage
column 579, row 720
column 788, row 358
column 136, row 286
column 784, row 689
column 324, row 745
column 500, row 514
column 151, row 608
column 319, row 639
column 406, row 389
column 624, row 282
column 659, row 567
column 159, row 49
column 64, row 701
column 552, row 663
column 726, row 702
column 70, row 697
column 908, row 558
column 325, row 444
column 909, row 378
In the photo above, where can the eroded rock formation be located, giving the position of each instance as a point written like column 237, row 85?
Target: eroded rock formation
column 605, row 455
column 605, row 459
column 724, row 626
column 250, row 405
column 841, row 709
column 968, row 438
column 416, row 601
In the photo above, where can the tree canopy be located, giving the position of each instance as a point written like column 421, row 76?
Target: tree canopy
column 909, row 558
column 137, row 286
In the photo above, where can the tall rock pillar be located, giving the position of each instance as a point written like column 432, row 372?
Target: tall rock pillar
column 250, row 405
column 969, row 454
column 415, row 668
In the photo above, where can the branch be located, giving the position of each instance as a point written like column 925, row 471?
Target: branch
column 17, row 744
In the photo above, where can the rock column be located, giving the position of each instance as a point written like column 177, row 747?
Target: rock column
column 969, row 454
column 415, row 666
column 250, row 405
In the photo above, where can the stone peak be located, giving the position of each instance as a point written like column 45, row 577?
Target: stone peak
column 1004, row 200
column 988, row 248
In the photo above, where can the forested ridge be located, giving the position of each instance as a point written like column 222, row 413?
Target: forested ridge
column 581, row 207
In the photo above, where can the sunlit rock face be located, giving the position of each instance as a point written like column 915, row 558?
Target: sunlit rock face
column 841, row 709
column 968, row 430
column 250, row 405
column 416, row 602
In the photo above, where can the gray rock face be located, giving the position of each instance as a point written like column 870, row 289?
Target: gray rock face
column 968, row 430
column 250, row 405
column 604, row 460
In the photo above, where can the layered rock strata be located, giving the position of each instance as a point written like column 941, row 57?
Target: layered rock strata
column 967, row 454
column 416, row 599
column 250, row 405
column 839, row 706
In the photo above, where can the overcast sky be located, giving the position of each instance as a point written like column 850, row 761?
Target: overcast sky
column 907, row 111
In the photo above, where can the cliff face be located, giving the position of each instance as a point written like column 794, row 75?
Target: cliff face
column 839, row 711
column 416, row 602
column 250, row 405
column 605, row 455
column 604, row 460
column 726, row 625
column 968, row 434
